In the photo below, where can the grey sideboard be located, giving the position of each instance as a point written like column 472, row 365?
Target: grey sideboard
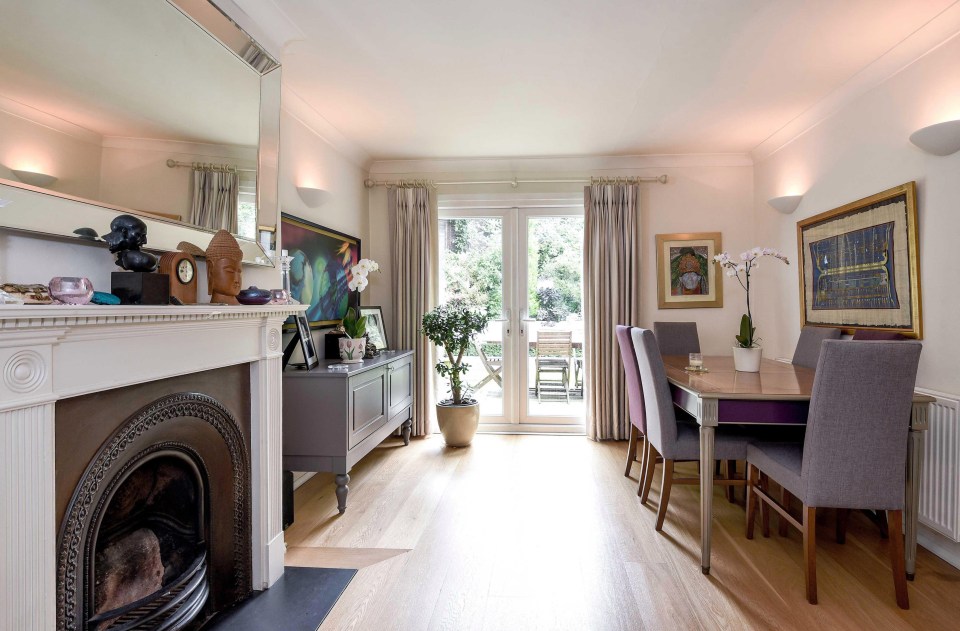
column 332, row 419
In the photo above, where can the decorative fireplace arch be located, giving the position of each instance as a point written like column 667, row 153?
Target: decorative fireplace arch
column 201, row 431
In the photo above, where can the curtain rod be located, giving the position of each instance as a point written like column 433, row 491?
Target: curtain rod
column 370, row 183
column 207, row 166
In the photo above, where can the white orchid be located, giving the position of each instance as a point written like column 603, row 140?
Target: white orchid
column 358, row 284
column 749, row 260
column 359, row 273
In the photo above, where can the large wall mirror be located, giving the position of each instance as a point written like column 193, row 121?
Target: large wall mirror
column 160, row 108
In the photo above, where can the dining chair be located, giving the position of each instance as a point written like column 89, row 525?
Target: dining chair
column 808, row 346
column 873, row 334
column 677, row 338
column 554, row 352
column 855, row 449
column 672, row 439
column 635, row 409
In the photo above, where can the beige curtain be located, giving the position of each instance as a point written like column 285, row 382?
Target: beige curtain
column 611, row 286
column 413, row 227
column 215, row 199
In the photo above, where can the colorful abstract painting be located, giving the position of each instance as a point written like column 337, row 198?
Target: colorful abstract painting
column 320, row 269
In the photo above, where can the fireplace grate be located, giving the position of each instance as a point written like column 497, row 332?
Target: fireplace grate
column 168, row 609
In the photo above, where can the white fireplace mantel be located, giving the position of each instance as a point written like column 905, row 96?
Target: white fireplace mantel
column 49, row 353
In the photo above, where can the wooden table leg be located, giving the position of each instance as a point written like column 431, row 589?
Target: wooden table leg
column 706, row 495
column 918, row 425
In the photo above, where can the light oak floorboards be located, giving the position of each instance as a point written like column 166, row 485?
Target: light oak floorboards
column 545, row 532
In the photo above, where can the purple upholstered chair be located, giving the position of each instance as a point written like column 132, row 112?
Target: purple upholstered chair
column 677, row 338
column 855, row 449
column 665, row 436
column 638, row 425
column 808, row 346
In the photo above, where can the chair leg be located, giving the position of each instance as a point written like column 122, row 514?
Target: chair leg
column 895, row 523
column 643, row 465
column 781, row 522
column 753, row 476
column 648, row 471
column 764, row 509
column 843, row 514
column 631, row 449
column 810, row 552
column 731, row 474
column 664, row 492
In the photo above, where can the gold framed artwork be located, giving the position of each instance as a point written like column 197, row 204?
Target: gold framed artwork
column 687, row 276
column 860, row 265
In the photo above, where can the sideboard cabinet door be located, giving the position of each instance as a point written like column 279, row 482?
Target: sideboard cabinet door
column 399, row 385
column 368, row 395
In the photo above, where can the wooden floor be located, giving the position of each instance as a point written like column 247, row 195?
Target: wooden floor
column 544, row 532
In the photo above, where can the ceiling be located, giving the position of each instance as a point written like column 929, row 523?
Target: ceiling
column 499, row 78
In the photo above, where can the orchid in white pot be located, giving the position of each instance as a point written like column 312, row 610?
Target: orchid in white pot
column 747, row 352
column 354, row 346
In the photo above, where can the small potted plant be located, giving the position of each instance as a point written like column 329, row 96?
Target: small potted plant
column 452, row 326
column 354, row 345
column 747, row 352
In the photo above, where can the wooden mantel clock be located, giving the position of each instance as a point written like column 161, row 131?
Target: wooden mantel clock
column 182, row 269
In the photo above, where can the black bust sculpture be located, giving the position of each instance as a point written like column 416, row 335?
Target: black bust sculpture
column 127, row 234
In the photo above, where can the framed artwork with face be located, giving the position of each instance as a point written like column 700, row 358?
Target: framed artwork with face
column 687, row 276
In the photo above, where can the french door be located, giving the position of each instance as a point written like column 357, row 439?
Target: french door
column 523, row 264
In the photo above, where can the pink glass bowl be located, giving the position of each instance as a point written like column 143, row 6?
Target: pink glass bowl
column 71, row 290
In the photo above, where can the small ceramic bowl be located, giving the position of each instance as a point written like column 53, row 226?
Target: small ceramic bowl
column 279, row 297
column 254, row 296
column 71, row 290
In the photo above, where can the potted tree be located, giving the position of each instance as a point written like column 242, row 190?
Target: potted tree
column 451, row 326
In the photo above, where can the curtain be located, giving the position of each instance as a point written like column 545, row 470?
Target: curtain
column 215, row 199
column 611, row 286
column 414, row 268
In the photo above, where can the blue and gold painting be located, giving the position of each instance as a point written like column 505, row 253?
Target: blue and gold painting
column 320, row 269
column 855, row 270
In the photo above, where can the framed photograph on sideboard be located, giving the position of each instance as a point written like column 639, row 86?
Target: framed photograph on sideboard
column 376, row 328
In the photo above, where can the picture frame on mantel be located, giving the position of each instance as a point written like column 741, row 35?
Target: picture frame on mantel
column 687, row 275
column 860, row 265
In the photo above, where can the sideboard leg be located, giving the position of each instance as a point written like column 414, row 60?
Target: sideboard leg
column 342, row 490
column 406, row 428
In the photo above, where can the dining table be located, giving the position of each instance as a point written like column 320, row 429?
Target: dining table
column 779, row 394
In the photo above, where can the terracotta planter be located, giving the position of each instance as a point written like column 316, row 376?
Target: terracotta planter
column 747, row 359
column 352, row 350
column 458, row 423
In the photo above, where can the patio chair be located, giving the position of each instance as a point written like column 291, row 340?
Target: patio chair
column 492, row 365
column 554, row 352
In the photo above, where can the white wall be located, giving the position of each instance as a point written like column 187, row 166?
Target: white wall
column 861, row 150
column 704, row 194
column 29, row 146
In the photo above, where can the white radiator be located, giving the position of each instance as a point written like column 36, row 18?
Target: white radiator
column 940, row 485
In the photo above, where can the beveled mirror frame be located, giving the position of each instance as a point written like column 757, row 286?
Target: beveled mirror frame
column 268, row 153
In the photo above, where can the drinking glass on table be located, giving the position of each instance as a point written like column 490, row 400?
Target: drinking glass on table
column 696, row 361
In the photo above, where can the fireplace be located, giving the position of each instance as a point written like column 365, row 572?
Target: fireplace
column 97, row 403
column 154, row 484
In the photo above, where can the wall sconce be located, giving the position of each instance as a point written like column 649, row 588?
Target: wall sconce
column 313, row 197
column 34, row 179
column 941, row 139
column 786, row 204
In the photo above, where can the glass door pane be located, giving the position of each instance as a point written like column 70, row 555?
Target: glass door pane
column 552, row 333
column 472, row 267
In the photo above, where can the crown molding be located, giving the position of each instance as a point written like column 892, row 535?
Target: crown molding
column 208, row 150
column 925, row 40
column 38, row 117
column 297, row 107
column 597, row 165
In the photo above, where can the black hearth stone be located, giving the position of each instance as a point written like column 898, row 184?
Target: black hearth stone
column 299, row 601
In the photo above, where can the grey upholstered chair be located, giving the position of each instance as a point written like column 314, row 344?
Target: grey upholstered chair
column 808, row 346
column 855, row 449
column 674, row 441
column 638, row 426
column 677, row 338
